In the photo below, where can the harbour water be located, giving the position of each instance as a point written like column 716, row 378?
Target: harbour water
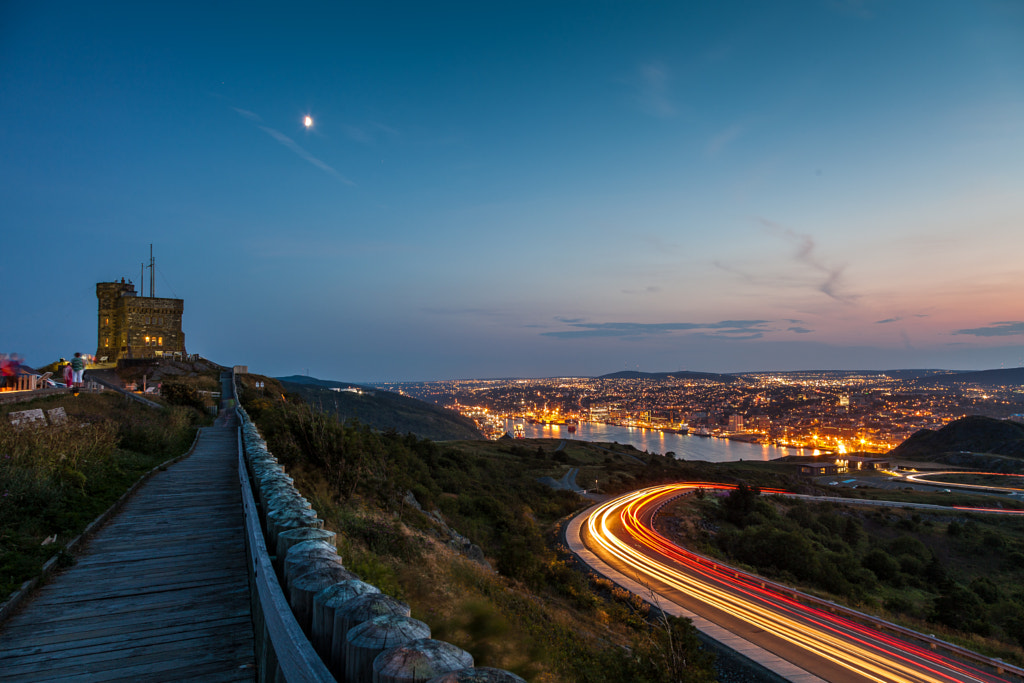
column 685, row 446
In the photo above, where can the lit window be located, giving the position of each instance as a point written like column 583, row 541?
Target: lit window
column 161, row 342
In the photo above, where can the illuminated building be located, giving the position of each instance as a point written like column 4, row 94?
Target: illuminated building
column 132, row 326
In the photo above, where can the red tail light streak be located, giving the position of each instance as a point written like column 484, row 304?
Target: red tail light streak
column 829, row 645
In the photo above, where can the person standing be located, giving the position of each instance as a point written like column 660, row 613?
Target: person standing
column 68, row 374
column 77, row 368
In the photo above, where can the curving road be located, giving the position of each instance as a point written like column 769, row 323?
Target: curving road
column 814, row 643
column 925, row 478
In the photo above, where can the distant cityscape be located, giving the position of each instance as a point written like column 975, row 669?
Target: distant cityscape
column 833, row 411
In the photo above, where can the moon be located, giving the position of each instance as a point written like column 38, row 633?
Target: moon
column 307, row 121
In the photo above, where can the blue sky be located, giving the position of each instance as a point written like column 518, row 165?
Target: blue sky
column 522, row 189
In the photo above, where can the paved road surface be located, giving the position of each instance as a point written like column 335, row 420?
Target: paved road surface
column 797, row 641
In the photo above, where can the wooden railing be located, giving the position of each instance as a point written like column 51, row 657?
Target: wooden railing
column 344, row 649
column 281, row 646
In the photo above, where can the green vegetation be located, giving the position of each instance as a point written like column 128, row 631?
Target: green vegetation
column 382, row 410
column 54, row 480
column 980, row 442
column 474, row 505
column 949, row 573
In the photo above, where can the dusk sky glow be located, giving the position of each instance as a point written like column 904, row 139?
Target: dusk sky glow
column 522, row 189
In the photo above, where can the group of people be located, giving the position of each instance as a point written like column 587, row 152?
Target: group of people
column 10, row 368
column 73, row 371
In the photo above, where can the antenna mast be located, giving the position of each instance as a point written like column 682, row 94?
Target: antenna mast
column 142, row 279
column 152, row 272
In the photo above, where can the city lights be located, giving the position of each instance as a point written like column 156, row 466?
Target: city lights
column 825, row 412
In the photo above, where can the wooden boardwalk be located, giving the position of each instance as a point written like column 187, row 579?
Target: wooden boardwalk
column 161, row 592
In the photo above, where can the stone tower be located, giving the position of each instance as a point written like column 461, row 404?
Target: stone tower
column 132, row 326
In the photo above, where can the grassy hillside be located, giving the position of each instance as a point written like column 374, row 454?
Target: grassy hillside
column 967, row 442
column 1000, row 377
column 383, row 410
column 55, row 480
column 465, row 533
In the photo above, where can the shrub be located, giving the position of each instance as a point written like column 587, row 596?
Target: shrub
column 986, row 589
column 181, row 394
column 881, row 564
column 960, row 608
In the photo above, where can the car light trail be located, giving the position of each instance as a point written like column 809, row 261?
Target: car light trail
column 621, row 529
column 925, row 478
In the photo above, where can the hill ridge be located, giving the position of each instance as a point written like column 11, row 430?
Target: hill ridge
column 381, row 409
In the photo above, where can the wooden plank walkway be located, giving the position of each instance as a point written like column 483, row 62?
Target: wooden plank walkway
column 161, row 592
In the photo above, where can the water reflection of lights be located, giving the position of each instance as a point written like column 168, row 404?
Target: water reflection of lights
column 617, row 529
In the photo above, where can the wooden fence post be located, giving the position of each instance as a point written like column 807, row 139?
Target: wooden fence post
column 367, row 640
column 306, row 584
column 355, row 612
column 325, row 604
column 419, row 661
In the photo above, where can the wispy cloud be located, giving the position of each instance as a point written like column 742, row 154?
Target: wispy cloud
column 731, row 329
column 292, row 145
column 462, row 311
column 800, row 330
column 1006, row 328
column 248, row 114
column 723, row 139
column 652, row 82
column 646, row 290
column 295, row 147
column 733, row 337
column 806, row 253
column 367, row 134
column 358, row 134
column 898, row 318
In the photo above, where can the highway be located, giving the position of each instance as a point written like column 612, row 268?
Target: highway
column 925, row 478
column 825, row 645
